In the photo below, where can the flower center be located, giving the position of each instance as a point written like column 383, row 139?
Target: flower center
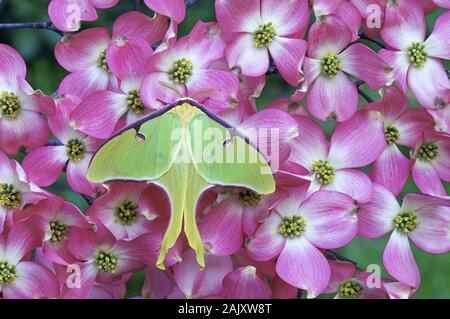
column 75, row 149
column 9, row 105
column 324, row 172
column 9, row 196
column 330, row 65
column 350, row 289
column 264, row 35
column 106, row 262
column 406, row 222
column 391, row 134
column 101, row 61
column 134, row 102
column 417, row 54
column 8, row 273
column 181, row 70
column 59, row 231
column 292, row 226
column 428, row 152
column 126, row 213
column 250, row 198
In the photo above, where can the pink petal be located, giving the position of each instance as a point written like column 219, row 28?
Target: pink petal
column 158, row 90
column 427, row 179
column 104, row 4
column 442, row 3
column 80, row 51
column 433, row 233
column 273, row 131
column 331, row 99
column 404, row 23
column 238, row 16
column 430, row 84
column 221, row 230
column 174, row 9
column 12, row 66
column 98, row 114
column 411, row 125
column 340, row 273
column 76, row 177
column 399, row 260
column 243, row 283
column 29, row 130
column 67, row 15
column 349, row 147
column 304, row 266
column 376, row 218
column 44, row 165
column 35, row 100
column 137, row 24
column 267, row 241
column 89, row 271
column 84, row 82
column 328, row 36
column 438, row 43
column 157, row 284
column 127, row 56
column 243, row 54
column 391, row 169
column 23, row 237
column 353, row 183
column 282, row 290
column 375, row 72
column 33, row 282
column 398, row 290
column 330, row 219
column 289, row 17
column 196, row 283
column 350, row 15
column 392, row 104
column 288, row 56
column 311, row 145
column 217, row 89
column 399, row 60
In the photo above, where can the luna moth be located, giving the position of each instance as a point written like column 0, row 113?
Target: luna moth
column 186, row 150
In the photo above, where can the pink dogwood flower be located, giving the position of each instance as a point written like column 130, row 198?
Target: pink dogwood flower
column 19, row 277
column 21, row 125
column 97, row 58
column 354, row 143
column 423, row 219
column 157, row 284
column 129, row 209
column 45, row 164
column 195, row 283
column 62, row 218
column 183, row 70
column 415, row 58
column 347, row 283
column 401, row 127
column 297, row 229
column 332, row 94
column 16, row 191
column 431, row 163
column 104, row 259
column 262, row 27
column 67, row 15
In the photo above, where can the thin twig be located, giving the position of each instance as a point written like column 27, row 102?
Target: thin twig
column 272, row 69
column 137, row 5
column 366, row 97
column 89, row 200
column 336, row 256
column 31, row 25
column 190, row 3
column 364, row 36
column 54, row 143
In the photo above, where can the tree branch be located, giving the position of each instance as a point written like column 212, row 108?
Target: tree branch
column 137, row 5
column 54, row 143
column 89, row 200
column 364, row 36
column 31, row 25
column 190, row 3
column 336, row 256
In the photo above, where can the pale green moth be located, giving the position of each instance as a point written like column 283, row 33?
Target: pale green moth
column 150, row 151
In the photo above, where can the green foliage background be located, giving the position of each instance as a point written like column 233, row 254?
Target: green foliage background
column 36, row 46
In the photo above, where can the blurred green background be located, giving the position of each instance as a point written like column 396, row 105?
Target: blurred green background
column 36, row 46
